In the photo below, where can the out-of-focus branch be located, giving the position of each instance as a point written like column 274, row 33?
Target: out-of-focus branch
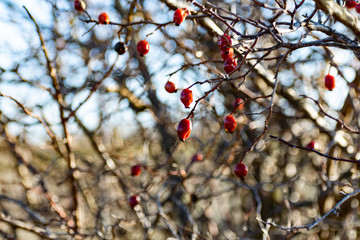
column 30, row 211
column 336, row 36
column 49, row 132
column 315, row 151
column 340, row 122
column 104, row 155
column 134, row 102
column 21, row 161
column 310, row 226
column 340, row 14
column 69, row 157
column 44, row 234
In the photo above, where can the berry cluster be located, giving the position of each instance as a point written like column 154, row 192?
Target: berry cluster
column 143, row 47
column 186, row 97
column 227, row 53
column 230, row 125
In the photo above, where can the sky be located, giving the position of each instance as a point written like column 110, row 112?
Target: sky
column 18, row 34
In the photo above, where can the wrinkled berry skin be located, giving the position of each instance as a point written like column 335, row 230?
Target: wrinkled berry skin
column 230, row 123
column 120, row 48
column 329, row 82
column 104, row 18
column 184, row 129
column 227, row 54
column 230, row 65
column 143, row 48
column 224, row 42
column 186, row 97
column 241, row 170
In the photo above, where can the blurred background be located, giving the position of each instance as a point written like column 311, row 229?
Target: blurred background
column 75, row 117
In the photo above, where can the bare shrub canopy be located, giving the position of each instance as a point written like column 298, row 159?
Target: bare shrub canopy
column 163, row 119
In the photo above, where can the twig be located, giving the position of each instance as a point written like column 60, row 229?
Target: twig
column 315, row 151
column 314, row 224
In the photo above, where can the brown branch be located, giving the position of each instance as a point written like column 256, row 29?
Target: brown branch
column 340, row 14
column 342, row 124
column 310, row 226
column 70, row 157
column 21, row 161
column 315, row 151
column 49, row 132
column 44, row 234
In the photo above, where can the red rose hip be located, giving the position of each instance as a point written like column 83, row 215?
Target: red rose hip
column 120, row 48
column 350, row 4
column 184, row 129
column 230, row 65
column 241, row 170
column 143, row 48
column 329, row 82
column 357, row 7
column 230, row 123
column 104, row 18
column 134, row 200
column 238, row 103
column 198, row 157
column 79, row 5
column 224, row 42
column 170, row 87
column 136, row 170
column 312, row 145
column 179, row 15
column 227, row 54
column 186, row 97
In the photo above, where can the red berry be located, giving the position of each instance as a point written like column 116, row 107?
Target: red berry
column 134, row 200
column 184, row 129
column 229, row 65
column 136, row 170
column 143, row 47
column 241, row 170
column 230, row 123
column 120, row 48
column 170, row 87
column 330, row 82
column 79, row 5
column 238, row 103
column 104, row 18
column 357, row 8
column 224, row 42
column 227, row 54
column 186, row 97
column 312, row 145
column 179, row 15
column 198, row 157
column 350, row 4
